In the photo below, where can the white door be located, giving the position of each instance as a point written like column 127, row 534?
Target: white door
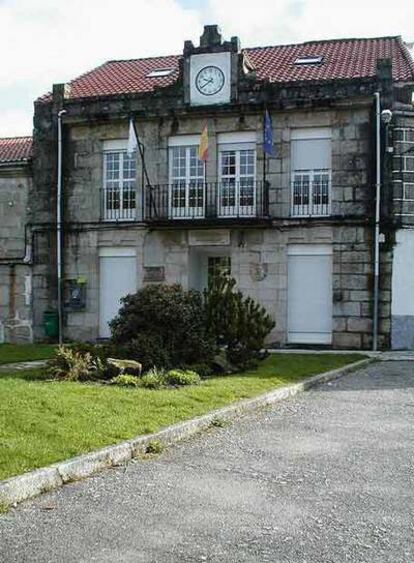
column 117, row 278
column 310, row 294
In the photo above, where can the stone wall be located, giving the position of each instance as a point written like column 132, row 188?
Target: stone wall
column 258, row 254
column 15, row 273
column 259, row 264
column 351, row 193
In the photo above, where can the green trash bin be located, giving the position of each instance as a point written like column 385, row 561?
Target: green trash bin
column 51, row 323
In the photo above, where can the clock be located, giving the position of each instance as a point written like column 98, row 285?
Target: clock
column 210, row 80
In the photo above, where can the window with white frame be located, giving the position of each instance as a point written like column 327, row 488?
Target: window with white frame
column 408, row 191
column 311, row 172
column 408, row 163
column 119, row 191
column 237, row 170
column 187, row 179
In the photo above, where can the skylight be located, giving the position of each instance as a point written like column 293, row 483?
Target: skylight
column 159, row 72
column 310, row 60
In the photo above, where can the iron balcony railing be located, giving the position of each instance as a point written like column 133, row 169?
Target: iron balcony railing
column 228, row 199
column 118, row 204
column 311, row 193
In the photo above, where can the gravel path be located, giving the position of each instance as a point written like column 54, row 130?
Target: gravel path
column 325, row 477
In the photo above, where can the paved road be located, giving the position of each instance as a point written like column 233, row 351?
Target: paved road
column 326, row 477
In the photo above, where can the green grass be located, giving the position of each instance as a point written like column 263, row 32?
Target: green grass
column 42, row 422
column 11, row 353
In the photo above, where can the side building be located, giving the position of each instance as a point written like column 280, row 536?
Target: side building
column 296, row 228
column 15, row 261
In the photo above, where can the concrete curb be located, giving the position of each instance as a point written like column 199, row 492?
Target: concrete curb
column 22, row 487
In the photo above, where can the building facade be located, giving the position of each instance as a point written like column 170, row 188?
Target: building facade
column 16, row 319
column 294, row 228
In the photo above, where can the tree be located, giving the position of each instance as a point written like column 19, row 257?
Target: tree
column 236, row 322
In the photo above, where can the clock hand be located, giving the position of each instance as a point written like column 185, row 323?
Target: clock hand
column 205, row 83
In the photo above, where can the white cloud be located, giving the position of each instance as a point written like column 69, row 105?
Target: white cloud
column 47, row 41
column 15, row 122
column 270, row 22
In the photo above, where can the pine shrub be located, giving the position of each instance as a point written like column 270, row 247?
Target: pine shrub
column 236, row 322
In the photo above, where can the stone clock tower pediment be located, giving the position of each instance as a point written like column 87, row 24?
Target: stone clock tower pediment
column 211, row 70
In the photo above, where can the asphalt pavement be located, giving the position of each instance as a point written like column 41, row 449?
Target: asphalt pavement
column 324, row 477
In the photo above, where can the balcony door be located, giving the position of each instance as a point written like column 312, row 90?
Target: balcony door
column 119, row 189
column 237, row 186
column 311, row 172
column 186, row 183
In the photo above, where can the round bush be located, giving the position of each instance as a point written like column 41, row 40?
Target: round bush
column 126, row 380
column 167, row 319
column 181, row 377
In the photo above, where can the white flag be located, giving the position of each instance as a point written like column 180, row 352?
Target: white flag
column 132, row 139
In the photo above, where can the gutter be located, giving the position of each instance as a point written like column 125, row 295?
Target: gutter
column 377, row 219
column 59, row 226
column 15, row 163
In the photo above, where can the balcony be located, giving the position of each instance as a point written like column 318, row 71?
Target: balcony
column 208, row 202
column 311, row 193
column 118, row 204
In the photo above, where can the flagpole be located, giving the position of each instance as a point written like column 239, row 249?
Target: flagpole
column 141, row 150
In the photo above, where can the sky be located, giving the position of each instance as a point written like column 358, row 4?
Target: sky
column 48, row 41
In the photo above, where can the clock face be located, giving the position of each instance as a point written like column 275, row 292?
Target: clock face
column 210, row 80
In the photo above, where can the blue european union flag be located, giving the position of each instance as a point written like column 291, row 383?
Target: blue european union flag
column 267, row 135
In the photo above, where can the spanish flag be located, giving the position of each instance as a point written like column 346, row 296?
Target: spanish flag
column 203, row 147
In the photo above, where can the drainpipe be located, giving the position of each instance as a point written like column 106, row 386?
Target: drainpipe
column 377, row 219
column 59, row 226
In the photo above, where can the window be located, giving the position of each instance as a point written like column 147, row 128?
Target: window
column 186, row 183
column 160, row 72
column 311, row 172
column 119, row 192
column 408, row 164
column 237, row 186
column 408, row 191
column 309, row 60
column 218, row 265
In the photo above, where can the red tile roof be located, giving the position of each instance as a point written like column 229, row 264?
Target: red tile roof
column 342, row 59
column 15, row 149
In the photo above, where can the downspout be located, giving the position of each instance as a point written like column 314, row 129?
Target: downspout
column 377, row 219
column 59, row 227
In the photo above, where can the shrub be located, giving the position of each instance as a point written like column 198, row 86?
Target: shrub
column 75, row 365
column 126, row 380
column 97, row 351
column 203, row 369
column 236, row 322
column 144, row 348
column 181, row 377
column 166, row 321
column 153, row 379
column 4, row 507
column 218, row 422
column 154, row 447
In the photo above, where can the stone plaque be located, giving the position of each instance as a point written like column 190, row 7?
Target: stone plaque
column 209, row 238
column 154, row 274
column 258, row 271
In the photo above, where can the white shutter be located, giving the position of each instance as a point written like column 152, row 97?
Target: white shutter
column 311, row 154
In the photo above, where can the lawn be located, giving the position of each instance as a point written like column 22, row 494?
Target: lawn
column 42, row 422
column 11, row 353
